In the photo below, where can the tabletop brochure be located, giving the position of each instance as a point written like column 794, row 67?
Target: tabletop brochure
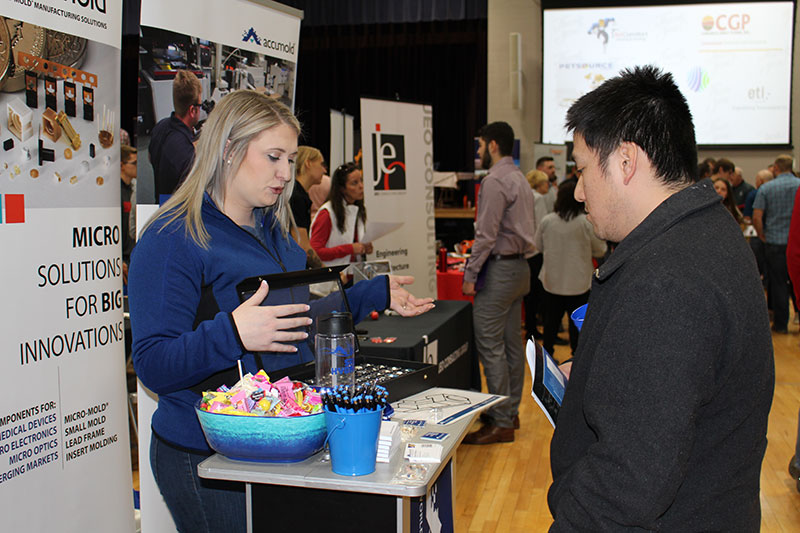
column 548, row 380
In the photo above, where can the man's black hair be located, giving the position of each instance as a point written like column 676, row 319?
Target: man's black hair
column 725, row 165
column 543, row 160
column 501, row 133
column 643, row 106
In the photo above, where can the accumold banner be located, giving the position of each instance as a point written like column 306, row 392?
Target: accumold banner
column 64, row 446
column 228, row 45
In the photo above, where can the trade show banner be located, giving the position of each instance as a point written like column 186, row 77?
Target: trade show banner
column 65, row 460
column 397, row 143
column 228, row 45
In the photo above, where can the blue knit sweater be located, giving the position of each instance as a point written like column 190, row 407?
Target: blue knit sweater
column 181, row 299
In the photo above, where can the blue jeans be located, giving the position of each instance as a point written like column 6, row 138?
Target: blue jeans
column 197, row 505
column 778, row 283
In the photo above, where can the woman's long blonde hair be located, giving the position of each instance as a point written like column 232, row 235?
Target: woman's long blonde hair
column 235, row 121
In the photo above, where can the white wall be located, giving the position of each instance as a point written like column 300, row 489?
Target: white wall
column 525, row 17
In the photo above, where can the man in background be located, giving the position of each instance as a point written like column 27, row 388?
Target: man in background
column 740, row 188
column 664, row 419
column 757, row 245
column 127, row 163
column 772, row 214
column 724, row 168
column 547, row 165
column 497, row 275
column 172, row 139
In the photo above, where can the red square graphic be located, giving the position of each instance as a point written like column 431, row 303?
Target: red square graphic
column 15, row 208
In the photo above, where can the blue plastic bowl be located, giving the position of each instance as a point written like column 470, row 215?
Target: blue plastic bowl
column 261, row 438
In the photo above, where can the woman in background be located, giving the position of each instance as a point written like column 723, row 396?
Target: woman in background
column 309, row 169
column 725, row 191
column 533, row 300
column 341, row 221
column 567, row 241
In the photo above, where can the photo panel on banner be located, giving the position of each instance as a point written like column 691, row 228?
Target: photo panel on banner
column 65, row 460
column 229, row 45
column 397, row 143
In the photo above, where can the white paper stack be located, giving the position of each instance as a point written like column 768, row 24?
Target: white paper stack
column 388, row 441
column 423, row 452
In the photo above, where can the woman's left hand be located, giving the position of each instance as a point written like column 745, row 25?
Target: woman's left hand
column 403, row 302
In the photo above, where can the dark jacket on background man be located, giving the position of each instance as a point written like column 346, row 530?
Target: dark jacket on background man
column 664, row 420
column 171, row 153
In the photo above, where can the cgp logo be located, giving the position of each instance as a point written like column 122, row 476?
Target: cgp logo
column 388, row 161
column 735, row 22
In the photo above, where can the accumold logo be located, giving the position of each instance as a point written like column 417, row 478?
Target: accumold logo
column 698, row 79
column 251, row 36
column 13, row 208
column 388, row 161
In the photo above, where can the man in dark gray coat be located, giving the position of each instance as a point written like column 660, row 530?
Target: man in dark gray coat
column 664, row 420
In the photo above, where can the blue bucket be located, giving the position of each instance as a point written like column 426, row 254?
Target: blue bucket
column 353, row 439
column 578, row 315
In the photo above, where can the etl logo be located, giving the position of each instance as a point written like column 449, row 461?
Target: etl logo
column 13, row 208
column 735, row 22
column 388, row 161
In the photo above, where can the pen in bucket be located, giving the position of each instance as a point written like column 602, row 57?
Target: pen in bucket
column 364, row 398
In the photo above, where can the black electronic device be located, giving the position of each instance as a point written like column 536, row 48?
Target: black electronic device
column 284, row 288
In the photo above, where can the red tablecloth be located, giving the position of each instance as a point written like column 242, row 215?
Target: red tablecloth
column 448, row 286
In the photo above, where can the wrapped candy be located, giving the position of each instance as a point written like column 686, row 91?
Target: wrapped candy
column 256, row 395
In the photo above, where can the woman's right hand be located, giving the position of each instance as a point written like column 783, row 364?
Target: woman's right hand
column 263, row 329
column 360, row 248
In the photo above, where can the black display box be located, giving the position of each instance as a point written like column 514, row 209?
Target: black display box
column 414, row 376
column 442, row 337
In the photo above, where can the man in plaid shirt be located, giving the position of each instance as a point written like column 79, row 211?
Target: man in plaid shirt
column 772, row 213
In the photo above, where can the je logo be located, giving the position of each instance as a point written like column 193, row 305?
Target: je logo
column 388, row 161
column 250, row 35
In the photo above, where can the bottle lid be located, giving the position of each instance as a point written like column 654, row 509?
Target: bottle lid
column 335, row 323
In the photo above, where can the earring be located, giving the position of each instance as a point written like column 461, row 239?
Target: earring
column 229, row 161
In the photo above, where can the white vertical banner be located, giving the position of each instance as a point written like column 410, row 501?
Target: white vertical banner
column 64, row 447
column 397, row 143
column 341, row 139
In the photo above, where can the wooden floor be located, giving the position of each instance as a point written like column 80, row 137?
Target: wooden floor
column 503, row 487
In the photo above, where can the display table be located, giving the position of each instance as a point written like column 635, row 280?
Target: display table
column 310, row 495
